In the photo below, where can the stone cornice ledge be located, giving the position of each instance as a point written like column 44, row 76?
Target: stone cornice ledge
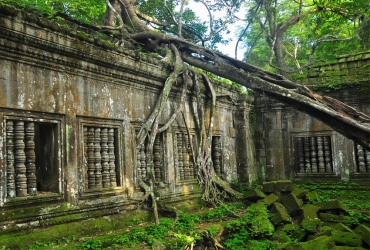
column 27, row 39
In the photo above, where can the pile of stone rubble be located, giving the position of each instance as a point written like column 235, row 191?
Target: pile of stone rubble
column 302, row 222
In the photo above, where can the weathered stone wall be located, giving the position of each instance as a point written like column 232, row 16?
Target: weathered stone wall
column 291, row 144
column 70, row 107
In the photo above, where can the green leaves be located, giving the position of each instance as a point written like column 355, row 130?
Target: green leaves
column 330, row 26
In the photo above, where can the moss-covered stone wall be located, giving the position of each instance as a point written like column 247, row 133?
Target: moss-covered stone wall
column 70, row 95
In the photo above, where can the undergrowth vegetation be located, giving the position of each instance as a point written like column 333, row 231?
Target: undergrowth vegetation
column 354, row 195
column 237, row 226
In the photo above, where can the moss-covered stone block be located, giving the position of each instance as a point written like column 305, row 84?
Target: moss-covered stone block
column 336, row 206
column 347, row 248
column 294, row 231
column 254, row 195
column 299, row 192
column 343, row 228
column 282, row 236
column 323, row 242
column 310, row 220
column 291, row 203
column 270, row 199
column 290, row 246
column 364, row 231
column 284, row 186
column 268, row 187
column 346, row 238
column 310, row 212
column 279, row 214
column 347, row 220
column 277, row 186
column 312, row 197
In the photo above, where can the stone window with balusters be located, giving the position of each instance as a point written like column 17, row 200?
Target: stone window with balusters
column 158, row 162
column 362, row 159
column 314, row 154
column 216, row 154
column 183, row 155
column 32, row 163
column 101, row 156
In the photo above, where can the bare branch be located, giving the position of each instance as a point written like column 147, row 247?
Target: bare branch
column 327, row 38
column 232, row 12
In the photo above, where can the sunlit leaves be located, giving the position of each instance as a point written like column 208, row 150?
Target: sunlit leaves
column 334, row 19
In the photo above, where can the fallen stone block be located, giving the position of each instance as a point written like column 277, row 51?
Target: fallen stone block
column 347, row 248
column 343, row 228
column 270, row 199
column 293, row 231
column 346, row 238
column 284, row 186
column 310, row 212
column 290, row 246
column 310, row 220
column 364, row 231
column 299, row 192
column 254, row 195
column 282, row 236
column 348, row 220
column 277, row 186
column 279, row 214
column 291, row 203
column 323, row 242
column 312, row 197
column 333, row 206
column 268, row 187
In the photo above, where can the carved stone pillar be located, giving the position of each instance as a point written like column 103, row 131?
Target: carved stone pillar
column 367, row 153
column 216, row 154
column 245, row 149
column 191, row 160
column 97, row 155
column 327, row 154
column 300, row 154
column 30, row 159
column 157, row 159
column 143, row 162
column 138, row 164
column 86, row 168
column 20, row 160
column 320, row 154
column 105, row 158
column 90, row 157
column 361, row 159
column 180, row 157
column 112, row 158
column 313, row 154
column 10, row 187
column 307, row 155
column 185, row 154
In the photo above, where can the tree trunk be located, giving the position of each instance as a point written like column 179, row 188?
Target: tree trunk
column 279, row 55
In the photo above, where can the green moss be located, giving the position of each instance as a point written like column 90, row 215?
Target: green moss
column 82, row 35
column 25, row 239
column 323, row 242
column 346, row 238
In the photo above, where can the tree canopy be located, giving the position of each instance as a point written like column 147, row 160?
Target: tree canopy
column 286, row 36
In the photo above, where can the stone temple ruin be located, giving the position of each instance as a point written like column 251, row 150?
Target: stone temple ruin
column 71, row 105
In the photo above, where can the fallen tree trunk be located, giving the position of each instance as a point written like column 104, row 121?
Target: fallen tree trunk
column 339, row 116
